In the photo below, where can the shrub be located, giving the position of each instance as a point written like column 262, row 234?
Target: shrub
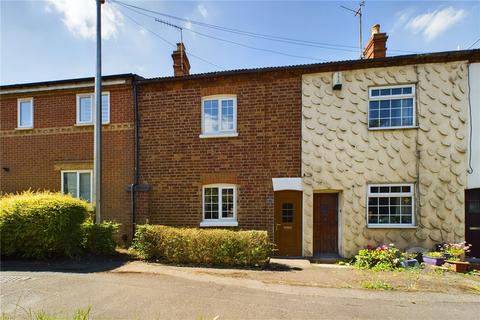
column 434, row 254
column 384, row 257
column 202, row 246
column 98, row 239
column 41, row 225
column 456, row 251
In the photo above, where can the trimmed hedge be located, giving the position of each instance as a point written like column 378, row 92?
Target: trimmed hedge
column 203, row 246
column 41, row 225
column 98, row 239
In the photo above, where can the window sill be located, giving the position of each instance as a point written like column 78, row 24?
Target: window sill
column 394, row 128
column 218, row 135
column 391, row 226
column 90, row 124
column 24, row 128
column 217, row 223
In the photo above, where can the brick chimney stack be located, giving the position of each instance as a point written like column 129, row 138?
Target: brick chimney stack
column 181, row 65
column 376, row 46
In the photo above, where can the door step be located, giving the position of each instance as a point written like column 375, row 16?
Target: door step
column 326, row 258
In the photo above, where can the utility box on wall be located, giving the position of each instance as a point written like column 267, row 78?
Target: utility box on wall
column 337, row 81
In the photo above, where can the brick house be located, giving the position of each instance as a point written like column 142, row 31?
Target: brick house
column 46, row 140
column 290, row 150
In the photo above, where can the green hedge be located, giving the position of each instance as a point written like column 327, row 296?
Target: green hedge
column 98, row 239
column 41, row 225
column 203, row 246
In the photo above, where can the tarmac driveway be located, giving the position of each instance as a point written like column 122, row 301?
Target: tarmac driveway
column 168, row 296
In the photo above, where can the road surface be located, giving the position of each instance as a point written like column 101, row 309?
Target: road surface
column 156, row 296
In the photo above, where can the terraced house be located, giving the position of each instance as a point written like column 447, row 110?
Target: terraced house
column 327, row 158
column 46, row 140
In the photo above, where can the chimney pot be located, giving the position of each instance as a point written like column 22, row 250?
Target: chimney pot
column 375, row 29
column 376, row 46
column 181, row 65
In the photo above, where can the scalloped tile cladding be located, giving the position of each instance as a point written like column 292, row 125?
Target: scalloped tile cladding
column 340, row 153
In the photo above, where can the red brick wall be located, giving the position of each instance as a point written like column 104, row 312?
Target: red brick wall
column 35, row 157
column 175, row 162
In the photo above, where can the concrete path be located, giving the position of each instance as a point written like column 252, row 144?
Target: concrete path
column 177, row 295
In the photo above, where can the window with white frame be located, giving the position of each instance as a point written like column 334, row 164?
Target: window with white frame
column 85, row 108
column 78, row 184
column 391, row 107
column 25, row 113
column 219, row 205
column 390, row 205
column 219, row 115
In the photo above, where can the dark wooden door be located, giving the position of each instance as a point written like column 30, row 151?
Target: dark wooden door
column 472, row 221
column 288, row 223
column 325, row 223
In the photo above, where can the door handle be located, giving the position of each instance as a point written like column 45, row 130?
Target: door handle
column 474, row 228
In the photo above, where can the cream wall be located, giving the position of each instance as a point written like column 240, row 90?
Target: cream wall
column 473, row 179
column 340, row 153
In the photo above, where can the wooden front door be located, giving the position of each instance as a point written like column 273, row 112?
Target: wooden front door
column 325, row 223
column 472, row 221
column 288, row 223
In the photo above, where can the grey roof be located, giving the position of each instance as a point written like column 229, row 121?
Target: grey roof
column 473, row 54
column 72, row 80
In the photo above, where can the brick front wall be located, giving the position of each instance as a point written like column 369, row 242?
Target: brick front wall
column 36, row 157
column 175, row 162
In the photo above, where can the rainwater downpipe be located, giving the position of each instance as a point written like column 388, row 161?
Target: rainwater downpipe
column 136, row 121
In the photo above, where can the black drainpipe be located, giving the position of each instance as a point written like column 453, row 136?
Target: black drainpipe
column 136, row 156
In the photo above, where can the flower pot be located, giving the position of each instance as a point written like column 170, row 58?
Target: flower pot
column 409, row 263
column 459, row 266
column 436, row 261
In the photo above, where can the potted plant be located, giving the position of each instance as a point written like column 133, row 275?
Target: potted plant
column 409, row 260
column 456, row 255
column 435, row 258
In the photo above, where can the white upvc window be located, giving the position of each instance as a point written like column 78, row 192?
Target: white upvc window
column 78, row 183
column 25, row 113
column 219, row 116
column 391, row 107
column 219, row 205
column 391, row 205
column 85, row 111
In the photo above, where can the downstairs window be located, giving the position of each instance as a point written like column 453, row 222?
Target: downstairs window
column 390, row 205
column 78, row 184
column 219, row 205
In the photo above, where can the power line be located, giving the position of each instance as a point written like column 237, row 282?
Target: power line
column 171, row 43
column 225, row 40
column 255, row 48
column 471, row 46
column 323, row 45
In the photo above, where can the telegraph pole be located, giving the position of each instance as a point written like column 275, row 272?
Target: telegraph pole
column 97, row 139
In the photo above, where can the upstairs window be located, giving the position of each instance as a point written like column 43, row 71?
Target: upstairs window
column 391, row 107
column 390, row 205
column 219, row 116
column 85, row 108
column 78, row 184
column 25, row 113
column 219, row 205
